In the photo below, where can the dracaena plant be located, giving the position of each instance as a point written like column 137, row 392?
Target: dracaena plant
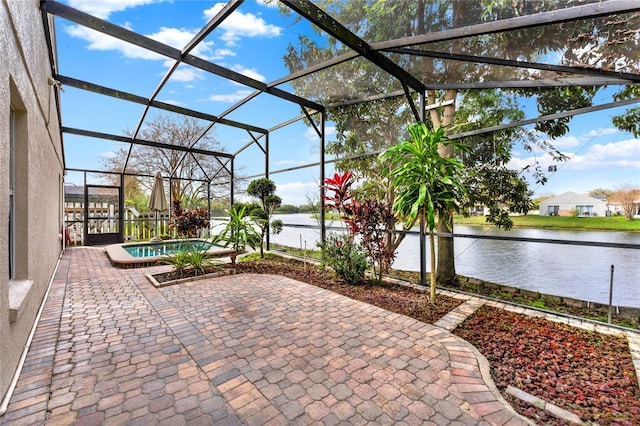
column 426, row 184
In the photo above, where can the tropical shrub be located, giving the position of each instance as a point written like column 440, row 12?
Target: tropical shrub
column 200, row 260
column 340, row 186
column 348, row 260
column 367, row 221
column 186, row 223
column 370, row 220
column 179, row 260
column 189, row 257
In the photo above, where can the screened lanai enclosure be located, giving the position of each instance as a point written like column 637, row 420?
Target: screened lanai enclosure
column 307, row 88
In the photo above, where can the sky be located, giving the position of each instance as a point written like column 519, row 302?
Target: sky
column 252, row 42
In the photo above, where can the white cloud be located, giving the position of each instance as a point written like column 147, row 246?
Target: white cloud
column 570, row 141
column 622, row 150
column 521, row 163
column 311, row 134
column 623, row 154
column 296, row 193
column 102, row 42
column 567, row 141
column 239, row 25
column 231, row 97
column 249, row 72
column 600, row 132
column 179, row 37
column 185, row 73
column 222, row 53
column 174, row 37
column 104, row 8
column 268, row 3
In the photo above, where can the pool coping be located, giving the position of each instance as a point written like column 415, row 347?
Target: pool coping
column 120, row 258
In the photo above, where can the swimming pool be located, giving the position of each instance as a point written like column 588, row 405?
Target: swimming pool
column 136, row 255
column 170, row 247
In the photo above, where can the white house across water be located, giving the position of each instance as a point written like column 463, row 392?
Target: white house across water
column 570, row 202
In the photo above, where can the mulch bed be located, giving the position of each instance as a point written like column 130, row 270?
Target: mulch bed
column 588, row 373
column 584, row 372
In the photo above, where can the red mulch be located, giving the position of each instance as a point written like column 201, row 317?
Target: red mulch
column 587, row 373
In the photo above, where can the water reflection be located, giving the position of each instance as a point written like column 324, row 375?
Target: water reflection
column 580, row 272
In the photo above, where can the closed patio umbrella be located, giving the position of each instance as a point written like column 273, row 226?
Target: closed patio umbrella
column 158, row 200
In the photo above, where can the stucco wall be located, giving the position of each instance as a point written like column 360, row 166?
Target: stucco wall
column 25, row 70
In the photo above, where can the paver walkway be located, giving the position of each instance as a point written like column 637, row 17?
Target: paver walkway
column 246, row 349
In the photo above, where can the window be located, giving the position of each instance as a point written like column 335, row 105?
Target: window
column 17, row 230
column 17, row 156
column 553, row 210
column 584, row 210
column 12, row 186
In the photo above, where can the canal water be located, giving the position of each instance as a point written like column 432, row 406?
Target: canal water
column 580, row 272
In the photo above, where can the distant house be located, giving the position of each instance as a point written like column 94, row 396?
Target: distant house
column 617, row 206
column 567, row 203
column 478, row 210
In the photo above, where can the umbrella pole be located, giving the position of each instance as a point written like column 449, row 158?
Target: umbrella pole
column 156, row 238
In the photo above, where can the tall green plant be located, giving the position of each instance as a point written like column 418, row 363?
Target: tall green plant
column 426, row 183
column 238, row 233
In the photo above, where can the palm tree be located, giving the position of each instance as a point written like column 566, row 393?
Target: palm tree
column 426, row 184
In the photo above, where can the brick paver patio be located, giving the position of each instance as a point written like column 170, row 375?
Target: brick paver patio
column 111, row 348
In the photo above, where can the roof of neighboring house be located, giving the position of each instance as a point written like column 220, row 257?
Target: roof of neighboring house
column 79, row 190
column 573, row 198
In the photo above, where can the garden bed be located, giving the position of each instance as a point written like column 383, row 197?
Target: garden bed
column 171, row 278
column 624, row 317
column 587, row 373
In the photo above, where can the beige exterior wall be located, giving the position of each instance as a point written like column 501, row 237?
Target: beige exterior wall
column 569, row 201
column 25, row 71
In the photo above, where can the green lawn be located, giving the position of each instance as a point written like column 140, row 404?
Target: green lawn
column 612, row 223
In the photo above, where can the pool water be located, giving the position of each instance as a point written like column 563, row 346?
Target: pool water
column 159, row 249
